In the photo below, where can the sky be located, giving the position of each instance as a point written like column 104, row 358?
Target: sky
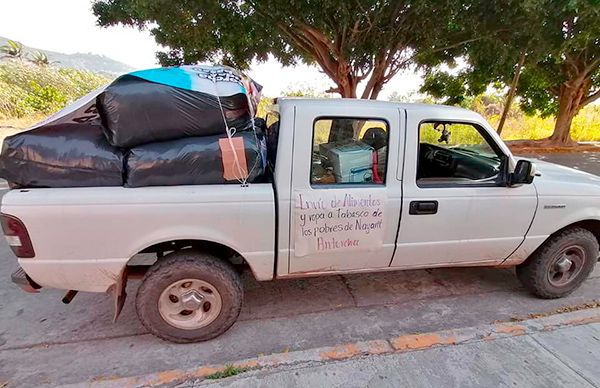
column 68, row 26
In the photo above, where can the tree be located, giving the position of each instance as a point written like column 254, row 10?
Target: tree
column 13, row 50
column 550, row 58
column 512, row 90
column 568, row 78
column 350, row 40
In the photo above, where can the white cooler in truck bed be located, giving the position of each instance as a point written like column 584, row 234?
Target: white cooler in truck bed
column 351, row 162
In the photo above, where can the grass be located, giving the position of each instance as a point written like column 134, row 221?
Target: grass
column 230, row 370
column 585, row 127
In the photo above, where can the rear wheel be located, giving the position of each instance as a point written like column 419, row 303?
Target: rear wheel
column 559, row 266
column 189, row 296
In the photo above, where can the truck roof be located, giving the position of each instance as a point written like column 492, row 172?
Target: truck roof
column 357, row 103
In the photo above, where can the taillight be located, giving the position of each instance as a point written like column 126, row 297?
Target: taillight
column 17, row 236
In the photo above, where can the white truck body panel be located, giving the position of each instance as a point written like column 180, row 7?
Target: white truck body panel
column 474, row 225
column 566, row 196
column 379, row 257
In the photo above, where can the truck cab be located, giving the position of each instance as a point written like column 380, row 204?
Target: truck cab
column 442, row 188
column 352, row 186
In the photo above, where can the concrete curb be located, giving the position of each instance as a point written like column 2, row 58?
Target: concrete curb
column 404, row 343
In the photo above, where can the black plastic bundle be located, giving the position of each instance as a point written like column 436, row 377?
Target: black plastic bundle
column 188, row 161
column 135, row 111
column 61, row 155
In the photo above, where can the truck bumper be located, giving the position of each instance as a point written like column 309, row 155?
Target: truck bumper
column 81, row 275
column 20, row 278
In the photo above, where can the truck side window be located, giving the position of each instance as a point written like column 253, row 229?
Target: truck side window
column 349, row 150
column 456, row 153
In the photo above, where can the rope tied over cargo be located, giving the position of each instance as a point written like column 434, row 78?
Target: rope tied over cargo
column 230, row 133
column 229, row 75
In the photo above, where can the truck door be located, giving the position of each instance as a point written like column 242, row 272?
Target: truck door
column 345, row 196
column 456, row 208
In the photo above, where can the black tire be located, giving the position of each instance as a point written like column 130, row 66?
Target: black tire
column 542, row 274
column 189, row 264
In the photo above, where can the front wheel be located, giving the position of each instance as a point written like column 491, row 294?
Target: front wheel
column 561, row 264
column 189, row 297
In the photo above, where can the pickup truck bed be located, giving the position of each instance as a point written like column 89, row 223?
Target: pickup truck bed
column 100, row 229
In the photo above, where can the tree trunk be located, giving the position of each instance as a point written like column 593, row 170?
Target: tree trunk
column 511, row 92
column 346, row 85
column 376, row 90
column 571, row 96
column 564, row 118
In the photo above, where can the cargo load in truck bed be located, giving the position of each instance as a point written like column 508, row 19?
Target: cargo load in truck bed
column 164, row 104
column 194, row 161
column 156, row 127
column 62, row 155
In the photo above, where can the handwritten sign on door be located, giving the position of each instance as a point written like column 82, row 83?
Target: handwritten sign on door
column 338, row 220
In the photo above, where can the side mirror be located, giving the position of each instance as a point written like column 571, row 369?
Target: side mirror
column 523, row 174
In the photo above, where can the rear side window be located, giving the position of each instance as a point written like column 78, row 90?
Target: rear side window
column 349, row 151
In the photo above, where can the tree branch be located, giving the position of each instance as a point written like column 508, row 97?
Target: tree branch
column 591, row 98
column 589, row 69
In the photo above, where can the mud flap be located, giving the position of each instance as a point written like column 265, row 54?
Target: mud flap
column 119, row 294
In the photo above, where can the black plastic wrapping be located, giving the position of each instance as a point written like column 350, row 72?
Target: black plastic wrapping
column 187, row 161
column 62, row 155
column 135, row 111
column 272, row 141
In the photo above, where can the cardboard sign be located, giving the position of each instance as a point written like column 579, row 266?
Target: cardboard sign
column 338, row 220
column 230, row 149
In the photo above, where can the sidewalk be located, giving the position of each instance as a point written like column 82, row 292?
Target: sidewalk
column 554, row 351
column 568, row 357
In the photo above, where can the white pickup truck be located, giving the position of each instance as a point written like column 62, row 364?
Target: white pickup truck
column 353, row 186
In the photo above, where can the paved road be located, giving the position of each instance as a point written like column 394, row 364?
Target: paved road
column 584, row 161
column 43, row 342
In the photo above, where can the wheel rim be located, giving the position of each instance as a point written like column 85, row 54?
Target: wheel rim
column 566, row 266
column 190, row 304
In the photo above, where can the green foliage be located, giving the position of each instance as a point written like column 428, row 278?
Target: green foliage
column 525, row 126
column 351, row 40
column 561, row 42
column 39, row 58
column 585, row 126
column 230, row 370
column 13, row 49
column 461, row 134
column 26, row 89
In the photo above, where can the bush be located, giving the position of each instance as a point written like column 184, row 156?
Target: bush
column 27, row 89
column 519, row 126
column 585, row 127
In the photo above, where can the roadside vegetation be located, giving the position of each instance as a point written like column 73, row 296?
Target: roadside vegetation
column 30, row 91
column 521, row 125
column 230, row 370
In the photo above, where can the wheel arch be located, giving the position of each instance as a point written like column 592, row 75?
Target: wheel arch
column 592, row 225
column 525, row 251
column 216, row 248
column 135, row 268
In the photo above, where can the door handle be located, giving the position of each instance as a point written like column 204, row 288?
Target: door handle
column 423, row 207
